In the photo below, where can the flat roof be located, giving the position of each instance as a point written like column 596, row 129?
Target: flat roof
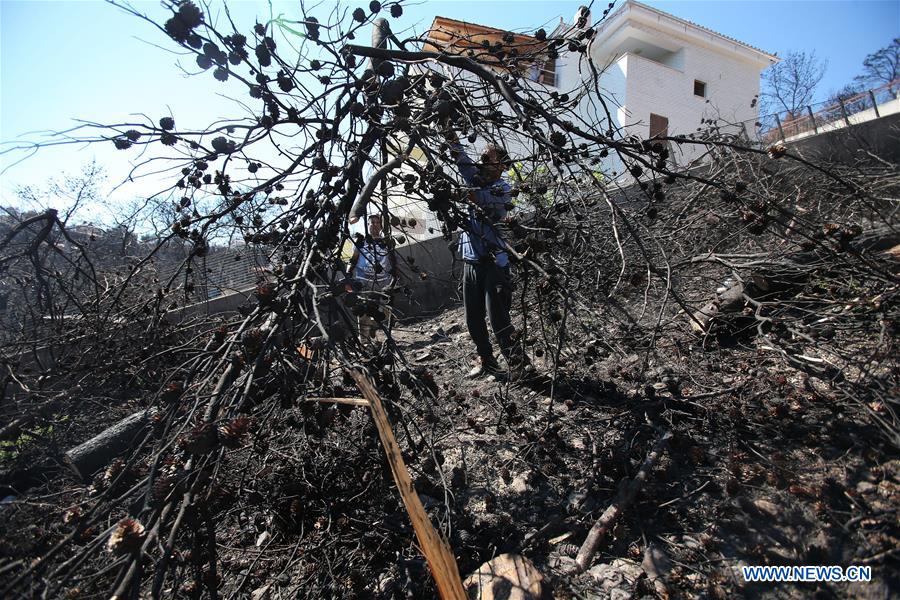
column 629, row 3
column 519, row 37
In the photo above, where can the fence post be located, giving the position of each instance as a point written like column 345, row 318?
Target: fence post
column 874, row 103
column 813, row 119
column 844, row 111
column 204, row 283
column 780, row 130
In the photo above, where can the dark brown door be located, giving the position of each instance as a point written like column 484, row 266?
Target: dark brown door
column 659, row 126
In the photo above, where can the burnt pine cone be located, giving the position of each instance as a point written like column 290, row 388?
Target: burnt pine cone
column 162, row 487
column 777, row 151
column 223, row 145
column 312, row 28
column 284, row 82
column 190, row 15
column 263, row 55
column 830, row 228
column 252, row 340
column 265, row 293
column 231, row 434
column 126, row 538
column 202, row 439
column 112, row 471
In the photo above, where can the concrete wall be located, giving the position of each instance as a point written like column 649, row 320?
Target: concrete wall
column 849, row 144
column 432, row 293
column 839, row 122
column 440, row 286
column 225, row 303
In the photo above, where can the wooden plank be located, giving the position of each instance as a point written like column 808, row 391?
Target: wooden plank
column 437, row 552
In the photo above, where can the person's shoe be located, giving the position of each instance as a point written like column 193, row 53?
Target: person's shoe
column 520, row 368
column 484, row 366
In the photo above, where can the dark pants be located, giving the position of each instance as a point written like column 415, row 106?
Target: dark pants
column 487, row 289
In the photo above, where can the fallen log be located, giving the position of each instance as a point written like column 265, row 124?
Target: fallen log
column 628, row 490
column 768, row 279
column 97, row 452
column 731, row 300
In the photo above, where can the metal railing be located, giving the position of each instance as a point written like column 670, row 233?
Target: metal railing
column 827, row 115
column 225, row 270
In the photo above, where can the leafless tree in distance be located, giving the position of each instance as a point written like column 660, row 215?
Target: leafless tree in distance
column 790, row 84
column 881, row 67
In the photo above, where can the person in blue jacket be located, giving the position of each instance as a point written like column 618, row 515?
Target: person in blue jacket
column 373, row 269
column 486, row 277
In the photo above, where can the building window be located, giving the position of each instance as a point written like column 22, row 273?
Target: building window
column 548, row 73
column 699, row 88
column 542, row 72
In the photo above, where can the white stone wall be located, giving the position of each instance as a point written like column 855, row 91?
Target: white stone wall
column 614, row 82
column 635, row 86
column 652, row 87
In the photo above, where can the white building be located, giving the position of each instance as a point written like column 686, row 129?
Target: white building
column 661, row 75
column 665, row 75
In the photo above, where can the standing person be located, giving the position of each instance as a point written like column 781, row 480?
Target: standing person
column 487, row 289
column 373, row 269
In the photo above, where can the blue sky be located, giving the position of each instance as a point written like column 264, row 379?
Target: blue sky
column 66, row 60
